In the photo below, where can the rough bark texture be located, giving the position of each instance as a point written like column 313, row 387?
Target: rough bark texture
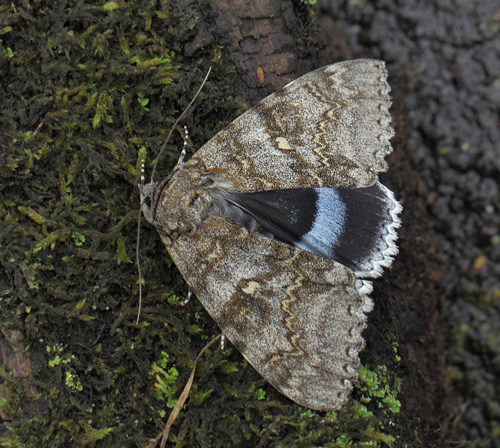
column 265, row 41
column 447, row 60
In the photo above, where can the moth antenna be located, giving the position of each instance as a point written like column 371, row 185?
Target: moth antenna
column 177, row 122
column 184, row 147
column 143, row 179
column 143, row 172
column 137, row 247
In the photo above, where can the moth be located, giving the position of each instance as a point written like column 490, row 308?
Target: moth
column 279, row 223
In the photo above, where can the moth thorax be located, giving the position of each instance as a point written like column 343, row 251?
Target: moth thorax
column 183, row 212
column 197, row 210
column 187, row 202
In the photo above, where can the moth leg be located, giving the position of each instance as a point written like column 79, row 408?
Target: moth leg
column 188, row 298
column 222, row 342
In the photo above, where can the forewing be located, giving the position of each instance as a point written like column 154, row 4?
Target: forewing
column 330, row 127
column 295, row 316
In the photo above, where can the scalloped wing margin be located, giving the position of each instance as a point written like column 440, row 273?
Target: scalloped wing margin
column 296, row 317
column 330, row 127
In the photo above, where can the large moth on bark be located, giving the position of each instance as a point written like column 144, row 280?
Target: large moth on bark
column 279, row 223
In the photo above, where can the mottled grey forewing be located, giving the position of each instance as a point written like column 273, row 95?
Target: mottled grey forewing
column 295, row 316
column 327, row 128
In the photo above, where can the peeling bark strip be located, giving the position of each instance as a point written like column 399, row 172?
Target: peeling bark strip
column 261, row 38
column 279, row 220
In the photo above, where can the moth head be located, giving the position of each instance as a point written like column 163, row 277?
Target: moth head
column 149, row 200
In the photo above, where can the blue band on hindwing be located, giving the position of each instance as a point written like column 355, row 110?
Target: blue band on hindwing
column 350, row 225
column 328, row 226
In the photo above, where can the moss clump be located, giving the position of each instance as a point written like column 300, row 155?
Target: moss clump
column 89, row 90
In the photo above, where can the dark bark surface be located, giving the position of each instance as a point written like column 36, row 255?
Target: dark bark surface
column 448, row 54
column 265, row 41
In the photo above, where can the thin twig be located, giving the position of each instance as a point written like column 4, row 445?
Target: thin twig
column 178, row 406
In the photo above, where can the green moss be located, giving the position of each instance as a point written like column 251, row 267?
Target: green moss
column 92, row 89
column 166, row 385
column 380, row 384
column 260, row 394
